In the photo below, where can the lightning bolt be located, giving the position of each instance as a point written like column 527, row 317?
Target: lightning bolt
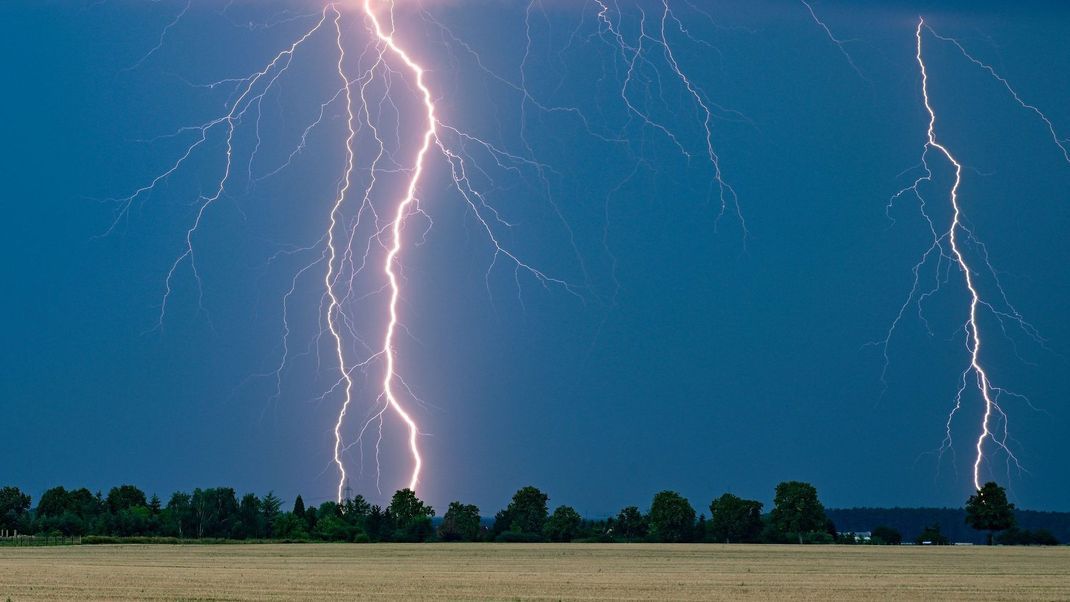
column 366, row 229
column 402, row 210
column 948, row 247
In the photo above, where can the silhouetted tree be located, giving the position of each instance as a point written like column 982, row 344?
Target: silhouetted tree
column 269, row 509
column 154, row 504
column 526, row 513
column 796, row 510
column 412, row 517
column 125, row 496
column 14, row 504
column 179, row 515
column 563, row 524
column 299, row 507
column 250, row 517
column 886, row 535
column 671, row 518
column 460, row 523
column 932, row 535
column 53, row 502
column 379, row 525
column 630, row 523
column 989, row 510
column 734, row 519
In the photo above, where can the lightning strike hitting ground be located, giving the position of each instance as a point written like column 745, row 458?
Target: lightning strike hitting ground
column 367, row 220
column 953, row 247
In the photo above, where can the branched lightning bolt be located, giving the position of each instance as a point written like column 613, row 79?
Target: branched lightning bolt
column 402, row 211
column 366, row 221
column 948, row 247
column 838, row 42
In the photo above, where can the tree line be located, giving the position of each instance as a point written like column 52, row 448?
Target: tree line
column 797, row 516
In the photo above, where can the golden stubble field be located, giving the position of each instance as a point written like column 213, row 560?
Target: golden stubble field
column 532, row 572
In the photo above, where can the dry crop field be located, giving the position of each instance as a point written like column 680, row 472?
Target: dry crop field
column 531, row 572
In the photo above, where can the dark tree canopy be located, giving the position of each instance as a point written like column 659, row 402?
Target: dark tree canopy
column 886, row 535
column 797, row 511
column 563, row 524
column 526, row 513
column 932, row 535
column 124, row 497
column 989, row 510
column 734, row 519
column 411, row 517
column 631, row 524
column 13, row 505
column 671, row 518
column 460, row 523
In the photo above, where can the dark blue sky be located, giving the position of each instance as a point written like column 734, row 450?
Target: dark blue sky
column 698, row 359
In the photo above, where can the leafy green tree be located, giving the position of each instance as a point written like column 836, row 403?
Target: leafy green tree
column 288, row 525
column 932, row 535
column 412, row 517
column 528, row 511
column 331, row 527
column 563, row 524
column 178, row 515
column 356, row 509
column 53, row 502
column 154, row 504
column 734, row 519
column 460, row 523
column 299, row 507
column 886, row 535
column 631, row 524
column 672, row 519
column 269, row 509
column 797, row 511
column 250, row 517
column 125, row 496
column 379, row 525
column 989, row 510
column 215, row 512
column 14, row 504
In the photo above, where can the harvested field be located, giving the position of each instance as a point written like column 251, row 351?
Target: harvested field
column 532, row 572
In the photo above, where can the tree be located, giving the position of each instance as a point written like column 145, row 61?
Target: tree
column 886, row 535
column 932, row 536
column 797, row 511
column 13, row 505
column 412, row 517
column 288, row 525
column 154, row 504
column 249, row 516
column 460, row 523
column 989, row 510
column 299, row 507
column 215, row 512
column 379, row 525
column 631, row 524
column 124, row 497
column 734, row 519
column 53, row 502
column 563, row 524
column 526, row 513
column 179, row 515
column 269, row 509
column 672, row 519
